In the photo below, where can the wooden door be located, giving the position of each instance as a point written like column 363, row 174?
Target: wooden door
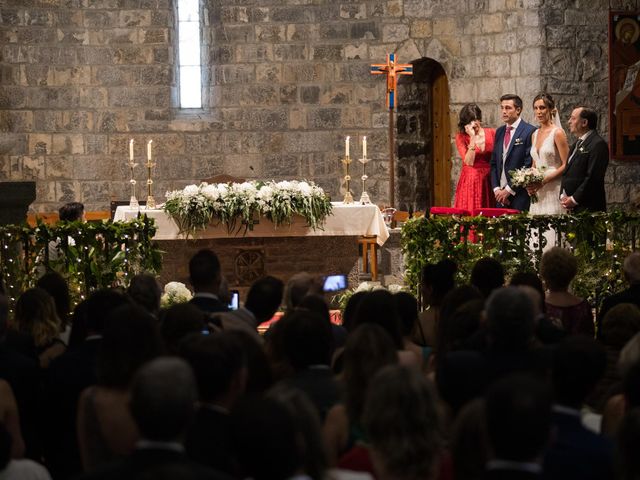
column 441, row 141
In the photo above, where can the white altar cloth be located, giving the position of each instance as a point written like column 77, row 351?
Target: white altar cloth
column 345, row 220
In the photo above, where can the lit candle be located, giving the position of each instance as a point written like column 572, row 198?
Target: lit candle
column 149, row 150
column 364, row 147
column 346, row 147
column 131, row 149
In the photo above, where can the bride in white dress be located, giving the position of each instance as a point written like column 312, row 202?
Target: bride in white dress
column 549, row 150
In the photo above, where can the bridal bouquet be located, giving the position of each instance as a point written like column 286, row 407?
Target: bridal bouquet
column 196, row 206
column 526, row 176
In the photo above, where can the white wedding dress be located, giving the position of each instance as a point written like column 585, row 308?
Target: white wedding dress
column 549, row 195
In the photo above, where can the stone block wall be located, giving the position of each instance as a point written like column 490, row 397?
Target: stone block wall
column 285, row 82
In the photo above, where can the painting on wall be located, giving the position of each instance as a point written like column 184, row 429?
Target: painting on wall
column 624, row 85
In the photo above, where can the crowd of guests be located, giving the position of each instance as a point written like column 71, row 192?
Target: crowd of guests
column 499, row 378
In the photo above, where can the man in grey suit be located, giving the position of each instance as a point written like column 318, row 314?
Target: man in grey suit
column 582, row 187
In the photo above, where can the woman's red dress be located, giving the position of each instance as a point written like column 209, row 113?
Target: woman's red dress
column 474, row 187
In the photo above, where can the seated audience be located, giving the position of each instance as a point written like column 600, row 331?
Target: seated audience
column 518, row 419
column 263, row 300
column 55, row 285
column 180, row 320
column 220, row 367
column 163, row 394
column 407, row 308
column 487, row 275
column 405, row 443
column 436, row 280
column 628, row 439
column 106, row 430
column 558, row 267
column 145, row 291
column 299, row 286
column 10, row 419
column 576, row 452
column 71, row 212
column 631, row 270
column 317, row 303
column 13, row 469
column 259, row 373
column 205, row 276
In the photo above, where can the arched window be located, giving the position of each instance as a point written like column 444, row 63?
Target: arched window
column 189, row 65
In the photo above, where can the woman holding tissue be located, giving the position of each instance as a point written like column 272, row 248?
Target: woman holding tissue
column 475, row 145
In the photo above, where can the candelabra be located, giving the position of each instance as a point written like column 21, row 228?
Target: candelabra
column 348, row 198
column 364, row 198
column 133, row 202
column 151, row 202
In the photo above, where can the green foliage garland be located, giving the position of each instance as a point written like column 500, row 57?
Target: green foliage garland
column 88, row 255
column 600, row 241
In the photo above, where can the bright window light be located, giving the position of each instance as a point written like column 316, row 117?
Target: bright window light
column 190, row 69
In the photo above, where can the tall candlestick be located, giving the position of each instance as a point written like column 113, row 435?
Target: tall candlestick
column 364, row 147
column 131, row 149
column 346, row 147
column 149, row 150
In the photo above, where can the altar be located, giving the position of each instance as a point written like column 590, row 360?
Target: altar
column 264, row 249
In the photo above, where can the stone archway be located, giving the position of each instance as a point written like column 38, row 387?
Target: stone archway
column 423, row 138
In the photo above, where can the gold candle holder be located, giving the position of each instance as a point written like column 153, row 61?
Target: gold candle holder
column 133, row 201
column 364, row 198
column 348, row 198
column 151, row 202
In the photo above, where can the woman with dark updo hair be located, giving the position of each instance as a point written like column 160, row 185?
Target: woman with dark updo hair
column 475, row 145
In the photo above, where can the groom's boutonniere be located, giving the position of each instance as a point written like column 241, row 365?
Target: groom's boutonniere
column 583, row 150
column 518, row 141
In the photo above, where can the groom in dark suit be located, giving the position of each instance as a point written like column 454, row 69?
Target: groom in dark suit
column 582, row 187
column 512, row 150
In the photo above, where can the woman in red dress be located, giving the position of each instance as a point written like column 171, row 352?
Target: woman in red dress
column 475, row 145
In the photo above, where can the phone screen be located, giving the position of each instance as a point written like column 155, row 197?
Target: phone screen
column 235, row 300
column 334, row 283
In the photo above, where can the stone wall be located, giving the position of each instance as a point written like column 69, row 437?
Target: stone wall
column 286, row 82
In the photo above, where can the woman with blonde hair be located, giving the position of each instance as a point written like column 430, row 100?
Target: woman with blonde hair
column 37, row 327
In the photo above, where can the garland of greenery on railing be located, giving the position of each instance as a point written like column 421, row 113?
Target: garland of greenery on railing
column 600, row 241
column 88, row 255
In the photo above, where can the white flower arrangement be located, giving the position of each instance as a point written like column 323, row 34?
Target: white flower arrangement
column 197, row 206
column 526, row 176
column 174, row 293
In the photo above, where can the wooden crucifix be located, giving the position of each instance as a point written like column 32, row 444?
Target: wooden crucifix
column 392, row 69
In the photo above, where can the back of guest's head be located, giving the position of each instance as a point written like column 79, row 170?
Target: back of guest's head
column 308, row 426
column 558, row 267
column 100, row 304
column 56, row 286
column 461, row 377
column 627, row 441
column 631, row 267
column 299, row 286
column 218, row 362
column 631, row 386
column 379, row 308
column 36, row 314
column 401, row 422
column 620, row 324
column 510, row 319
column 71, row 212
column 369, row 348
column 204, row 270
column 517, row 101
column 629, row 355
column 306, row 339
column 264, row 297
column 518, row 413
column 590, row 116
column 578, row 363
column 163, row 395
column 349, row 314
column 407, row 307
column 459, row 325
column 486, row 275
column 450, row 304
column 468, row 114
column 4, row 315
column 317, row 305
column 259, row 374
column 438, row 279
column 264, row 439
column 130, row 338
column 529, row 279
column 145, row 290
column 469, row 441
column 5, row 447
column 178, row 321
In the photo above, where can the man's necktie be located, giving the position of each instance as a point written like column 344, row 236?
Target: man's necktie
column 507, row 137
